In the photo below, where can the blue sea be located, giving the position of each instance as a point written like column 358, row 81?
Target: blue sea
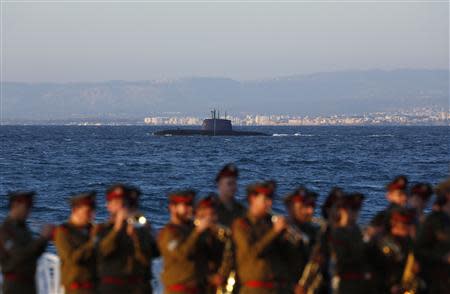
column 58, row 161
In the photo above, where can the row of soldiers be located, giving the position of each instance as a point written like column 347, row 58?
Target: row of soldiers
column 217, row 245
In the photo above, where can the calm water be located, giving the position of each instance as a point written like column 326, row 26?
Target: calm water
column 59, row 160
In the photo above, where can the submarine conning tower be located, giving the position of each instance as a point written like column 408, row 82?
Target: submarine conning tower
column 215, row 123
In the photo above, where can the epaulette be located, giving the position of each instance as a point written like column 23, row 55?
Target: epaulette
column 242, row 223
column 167, row 228
column 63, row 228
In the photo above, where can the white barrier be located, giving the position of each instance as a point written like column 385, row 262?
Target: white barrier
column 48, row 274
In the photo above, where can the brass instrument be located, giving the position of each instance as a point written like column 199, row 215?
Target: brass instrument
column 292, row 233
column 137, row 220
column 410, row 283
column 223, row 234
column 312, row 277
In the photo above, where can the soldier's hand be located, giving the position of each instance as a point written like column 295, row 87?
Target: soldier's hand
column 47, row 231
column 447, row 258
column 121, row 216
column 131, row 231
column 299, row 290
column 203, row 224
column 216, row 280
column 279, row 224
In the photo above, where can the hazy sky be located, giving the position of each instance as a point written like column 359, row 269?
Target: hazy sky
column 141, row 41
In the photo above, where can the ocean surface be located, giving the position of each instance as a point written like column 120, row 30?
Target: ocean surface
column 58, row 161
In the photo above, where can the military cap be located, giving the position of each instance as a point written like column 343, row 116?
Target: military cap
column 182, row 196
column 117, row 191
column 86, row 198
column 403, row 215
column 333, row 196
column 229, row 170
column 351, row 201
column 267, row 188
column 302, row 195
column 423, row 190
column 21, row 196
column 209, row 201
column 443, row 188
column 398, row 183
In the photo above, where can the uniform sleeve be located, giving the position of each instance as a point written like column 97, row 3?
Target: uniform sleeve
column 171, row 245
column 67, row 251
column 108, row 243
column 425, row 243
column 15, row 256
column 348, row 246
column 248, row 247
column 143, row 246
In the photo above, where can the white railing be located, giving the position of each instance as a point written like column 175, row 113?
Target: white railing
column 48, row 275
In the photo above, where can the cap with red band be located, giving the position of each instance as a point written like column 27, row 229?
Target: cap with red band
column 301, row 195
column 184, row 196
column 399, row 183
column 265, row 188
column 207, row 202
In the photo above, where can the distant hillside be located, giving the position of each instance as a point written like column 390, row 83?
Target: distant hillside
column 316, row 94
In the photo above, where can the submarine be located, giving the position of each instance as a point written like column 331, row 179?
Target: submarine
column 214, row 126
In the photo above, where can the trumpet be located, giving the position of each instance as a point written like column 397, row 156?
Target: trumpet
column 292, row 234
column 222, row 233
column 137, row 220
column 312, row 277
column 410, row 283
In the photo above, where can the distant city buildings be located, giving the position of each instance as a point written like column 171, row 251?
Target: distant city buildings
column 417, row 116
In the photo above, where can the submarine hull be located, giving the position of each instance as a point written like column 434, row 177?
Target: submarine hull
column 207, row 133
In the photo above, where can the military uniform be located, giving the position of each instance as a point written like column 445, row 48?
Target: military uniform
column 122, row 260
column 145, row 243
column 433, row 243
column 76, row 250
column 388, row 254
column 178, row 245
column 300, row 250
column 260, row 251
column 348, row 252
column 19, row 252
column 382, row 218
column 228, row 212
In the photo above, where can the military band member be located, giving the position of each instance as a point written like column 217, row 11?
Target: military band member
column 388, row 253
column 178, row 244
column 228, row 208
column 300, row 205
column 212, row 266
column 419, row 196
column 75, row 245
column 260, row 256
column 149, row 248
column 396, row 195
column 433, row 243
column 348, row 252
column 19, row 251
column 121, row 248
